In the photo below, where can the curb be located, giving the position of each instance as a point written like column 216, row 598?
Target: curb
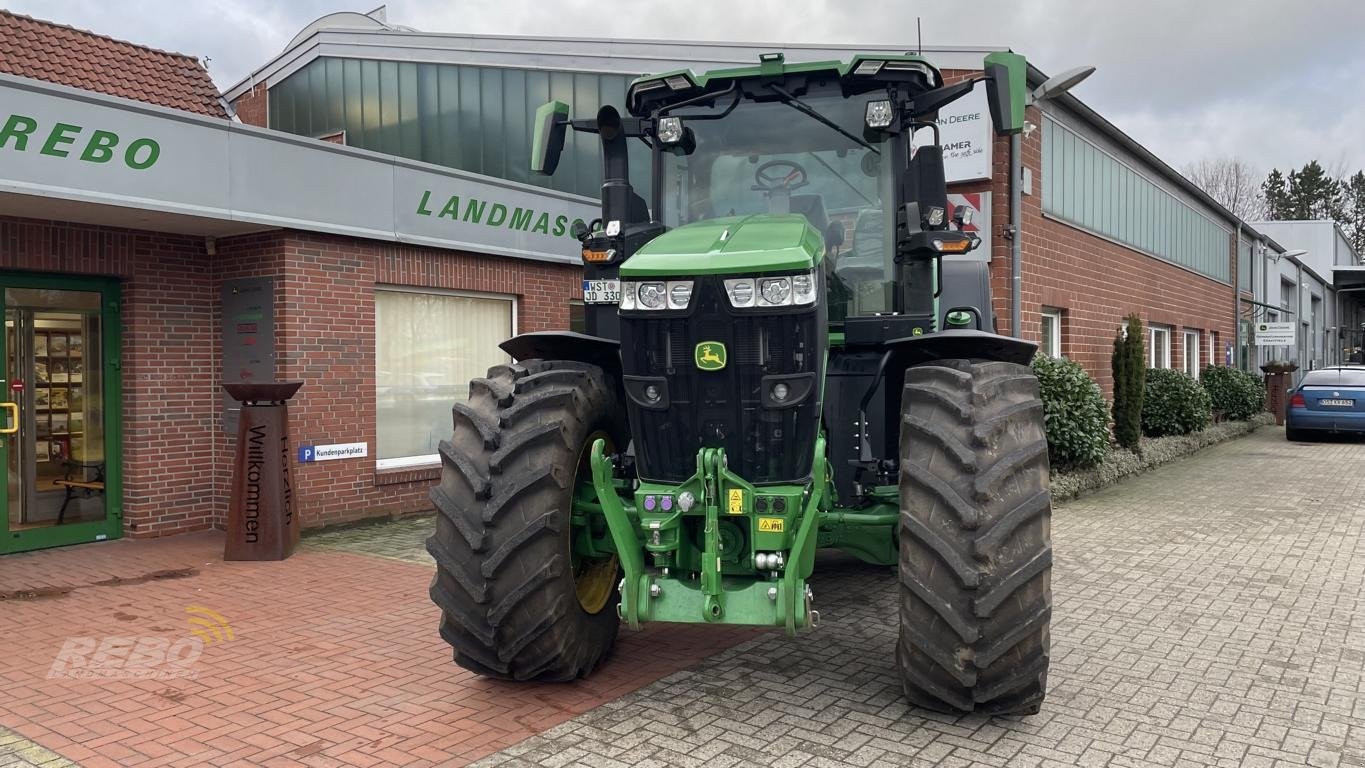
column 1120, row 463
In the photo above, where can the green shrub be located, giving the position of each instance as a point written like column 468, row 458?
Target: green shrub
column 1234, row 394
column 1129, row 384
column 1077, row 416
column 1174, row 404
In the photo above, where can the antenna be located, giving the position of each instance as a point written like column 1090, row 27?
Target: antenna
column 919, row 37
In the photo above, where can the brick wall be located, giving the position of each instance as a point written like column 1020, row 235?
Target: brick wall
column 177, row 458
column 326, row 338
column 168, row 358
column 252, row 107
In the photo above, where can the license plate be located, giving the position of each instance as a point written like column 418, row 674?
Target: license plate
column 1338, row 403
column 601, row 291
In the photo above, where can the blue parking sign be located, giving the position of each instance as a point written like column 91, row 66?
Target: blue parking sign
column 305, row 453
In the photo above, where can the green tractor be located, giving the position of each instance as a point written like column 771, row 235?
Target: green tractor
column 785, row 350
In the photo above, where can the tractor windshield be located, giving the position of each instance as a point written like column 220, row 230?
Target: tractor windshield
column 770, row 157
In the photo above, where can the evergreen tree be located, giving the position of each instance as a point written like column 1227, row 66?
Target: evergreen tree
column 1276, row 196
column 1353, row 220
column 1314, row 194
column 1308, row 193
column 1130, row 378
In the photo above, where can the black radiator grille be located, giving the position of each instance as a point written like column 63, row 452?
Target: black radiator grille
column 724, row 408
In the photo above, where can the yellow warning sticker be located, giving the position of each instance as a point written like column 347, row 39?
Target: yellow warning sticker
column 736, row 501
column 771, row 524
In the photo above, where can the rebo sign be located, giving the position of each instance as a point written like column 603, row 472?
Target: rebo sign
column 64, row 140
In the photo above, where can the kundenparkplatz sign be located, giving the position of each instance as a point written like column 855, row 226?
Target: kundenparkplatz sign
column 69, row 144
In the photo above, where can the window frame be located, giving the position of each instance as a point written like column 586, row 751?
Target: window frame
column 1152, row 331
column 1188, row 358
column 1053, row 339
column 427, row 460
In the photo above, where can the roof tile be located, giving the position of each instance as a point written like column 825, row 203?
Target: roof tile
column 68, row 56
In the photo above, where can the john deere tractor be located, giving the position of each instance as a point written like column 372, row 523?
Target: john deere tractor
column 787, row 348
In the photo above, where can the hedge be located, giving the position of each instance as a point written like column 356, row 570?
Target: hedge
column 1233, row 394
column 1173, row 404
column 1076, row 415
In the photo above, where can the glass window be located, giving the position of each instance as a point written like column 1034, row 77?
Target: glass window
column 1160, row 356
column 1335, row 377
column 1050, row 334
column 1191, row 353
column 473, row 118
column 428, row 346
column 767, row 157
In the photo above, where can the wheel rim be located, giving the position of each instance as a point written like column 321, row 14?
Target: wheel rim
column 593, row 578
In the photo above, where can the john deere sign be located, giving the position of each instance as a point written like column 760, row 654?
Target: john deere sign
column 86, row 148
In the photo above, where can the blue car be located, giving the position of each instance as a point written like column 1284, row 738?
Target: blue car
column 1328, row 400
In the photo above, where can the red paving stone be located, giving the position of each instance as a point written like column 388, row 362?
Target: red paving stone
column 335, row 660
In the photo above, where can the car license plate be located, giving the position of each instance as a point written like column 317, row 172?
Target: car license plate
column 1338, row 403
column 601, row 291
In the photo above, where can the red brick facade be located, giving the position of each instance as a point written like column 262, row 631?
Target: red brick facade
column 176, row 457
column 253, row 107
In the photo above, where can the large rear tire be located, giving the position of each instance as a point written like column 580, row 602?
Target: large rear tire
column 515, row 601
column 975, row 540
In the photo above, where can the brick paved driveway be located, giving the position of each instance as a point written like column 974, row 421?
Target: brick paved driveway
column 1209, row 613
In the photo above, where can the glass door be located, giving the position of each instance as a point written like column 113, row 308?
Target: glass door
column 59, row 435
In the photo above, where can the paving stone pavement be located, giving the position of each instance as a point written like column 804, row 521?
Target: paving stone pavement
column 404, row 539
column 1209, row 613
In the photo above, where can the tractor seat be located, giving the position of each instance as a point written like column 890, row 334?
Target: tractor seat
column 866, row 260
column 813, row 208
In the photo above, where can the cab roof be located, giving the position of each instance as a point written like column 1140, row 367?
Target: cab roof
column 645, row 94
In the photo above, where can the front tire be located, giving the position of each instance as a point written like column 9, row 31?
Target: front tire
column 975, row 539
column 515, row 602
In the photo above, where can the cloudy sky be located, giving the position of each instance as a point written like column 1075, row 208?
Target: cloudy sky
column 1273, row 82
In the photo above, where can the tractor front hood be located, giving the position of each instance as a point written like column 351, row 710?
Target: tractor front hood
column 749, row 245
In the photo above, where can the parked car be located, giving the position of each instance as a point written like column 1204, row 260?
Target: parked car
column 1327, row 400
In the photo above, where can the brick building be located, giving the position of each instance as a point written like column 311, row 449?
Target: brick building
column 358, row 215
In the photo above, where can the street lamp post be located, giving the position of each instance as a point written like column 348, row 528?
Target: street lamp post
column 1052, row 87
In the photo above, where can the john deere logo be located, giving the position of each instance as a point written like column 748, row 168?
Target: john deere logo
column 710, row 356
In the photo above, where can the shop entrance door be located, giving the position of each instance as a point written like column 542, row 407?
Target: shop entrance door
column 59, row 435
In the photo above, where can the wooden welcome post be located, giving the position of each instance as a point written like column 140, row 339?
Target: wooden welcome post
column 261, row 523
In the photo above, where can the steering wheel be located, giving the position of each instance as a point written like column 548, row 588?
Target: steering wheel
column 780, row 174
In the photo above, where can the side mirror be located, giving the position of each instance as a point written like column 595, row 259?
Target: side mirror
column 1006, row 90
column 552, row 120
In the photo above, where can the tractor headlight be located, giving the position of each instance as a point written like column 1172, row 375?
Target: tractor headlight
column 803, row 288
column 670, row 130
column 627, row 295
column 650, row 295
column 741, row 292
column 774, row 292
column 778, row 291
column 679, row 294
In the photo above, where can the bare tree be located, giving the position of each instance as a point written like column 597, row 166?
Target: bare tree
column 1232, row 182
